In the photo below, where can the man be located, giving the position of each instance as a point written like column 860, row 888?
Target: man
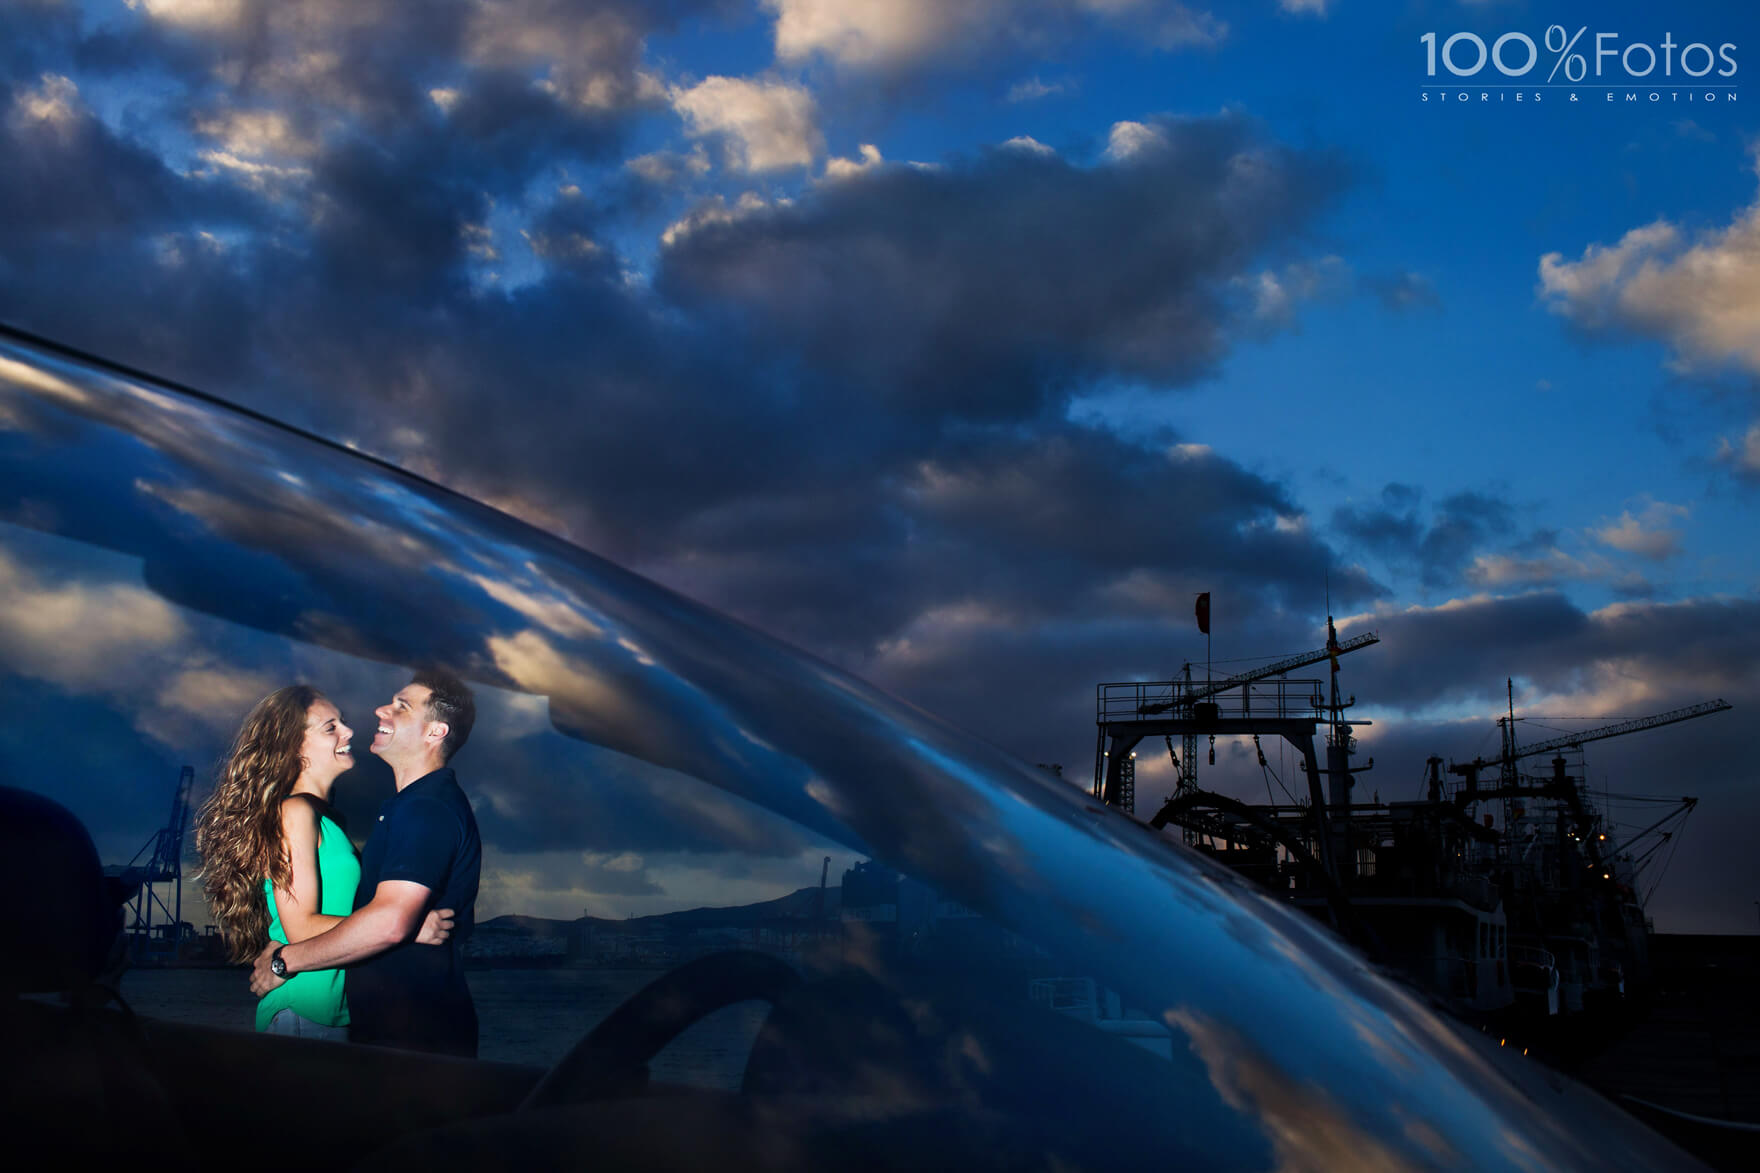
column 424, row 852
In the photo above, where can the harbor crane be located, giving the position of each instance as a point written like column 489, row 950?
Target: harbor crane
column 1559, row 786
column 1192, row 695
column 1128, row 712
column 1512, row 753
column 163, row 864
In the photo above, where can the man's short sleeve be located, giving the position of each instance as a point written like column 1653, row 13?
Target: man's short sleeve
column 421, row 840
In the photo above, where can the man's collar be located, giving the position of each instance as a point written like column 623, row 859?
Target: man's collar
column 438, row 776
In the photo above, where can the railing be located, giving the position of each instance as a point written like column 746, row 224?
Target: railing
column 1158, row 700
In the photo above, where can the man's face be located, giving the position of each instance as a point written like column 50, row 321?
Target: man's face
column 403, row 725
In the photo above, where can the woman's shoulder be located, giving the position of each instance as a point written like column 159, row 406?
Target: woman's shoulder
column 303, row 809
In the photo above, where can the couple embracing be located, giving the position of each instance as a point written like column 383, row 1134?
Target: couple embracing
column 342, row 947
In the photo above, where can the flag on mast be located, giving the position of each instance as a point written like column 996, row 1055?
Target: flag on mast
column 1204, row 612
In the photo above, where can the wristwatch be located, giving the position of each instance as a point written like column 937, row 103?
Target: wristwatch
column 277, row 966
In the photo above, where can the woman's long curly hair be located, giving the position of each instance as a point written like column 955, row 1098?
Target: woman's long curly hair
column 238, row 830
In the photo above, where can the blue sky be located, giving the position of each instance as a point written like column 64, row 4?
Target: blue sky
column 962, row 342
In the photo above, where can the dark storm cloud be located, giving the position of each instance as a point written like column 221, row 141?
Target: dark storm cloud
column 381, row 61
column 1096, row 507
column 1438, row 549
column 1698, row 647
column 67, row 173
column 841, row 418
column 837, row 541
column 1031, row 689
column 1034, row 524
column 984, row 289
column 1480, row 641
column 396, row 221
column 682, row 430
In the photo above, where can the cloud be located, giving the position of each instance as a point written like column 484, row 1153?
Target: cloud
column 1277, row 295
column 1404, row 291
column 843, row 417
column 1052, row 271
column 1304, row 7
column 764, row 125
column 1543, row 567
column 666, row 167
column 54, row 102
column 592, row 51
column 1742, row 455
column 72, row 634
column 1033, row 89
column 1027, row 143
column 711, row 212
column 846, row 168
column 893, row 315
column 343, row 64
column 1439, row 550
column 264, row 150
column 67, row 172
column 1127, row 138
column 1473, row 538
column 1647, row 535
column 898, row 35
column 1666, row 653
column 1700, row 293
column 198, row 14
column 255, row 134
column 220, row 694
column 82, row 623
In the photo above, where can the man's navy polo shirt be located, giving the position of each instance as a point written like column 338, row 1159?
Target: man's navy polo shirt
column 414, row 996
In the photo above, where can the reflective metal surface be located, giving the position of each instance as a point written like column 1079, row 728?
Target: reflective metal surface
column 1320, row 1061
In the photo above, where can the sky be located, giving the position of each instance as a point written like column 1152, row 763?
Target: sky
column 962, row 342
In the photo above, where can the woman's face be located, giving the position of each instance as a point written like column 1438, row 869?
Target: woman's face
column 326, row 751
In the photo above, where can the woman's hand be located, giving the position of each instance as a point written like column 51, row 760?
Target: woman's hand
column 436, row 928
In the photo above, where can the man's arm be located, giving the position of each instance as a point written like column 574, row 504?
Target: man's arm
column 392, row 917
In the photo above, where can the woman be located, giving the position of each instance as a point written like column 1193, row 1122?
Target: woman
column 276, row 866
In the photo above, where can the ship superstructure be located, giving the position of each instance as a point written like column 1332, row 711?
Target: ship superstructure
column 1498, row 887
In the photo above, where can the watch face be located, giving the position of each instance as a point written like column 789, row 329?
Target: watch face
column 277, row 966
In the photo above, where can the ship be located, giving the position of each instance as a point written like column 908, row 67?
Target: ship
column 1504, row 894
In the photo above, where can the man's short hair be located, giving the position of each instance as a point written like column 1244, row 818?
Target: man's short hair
column 449, row 700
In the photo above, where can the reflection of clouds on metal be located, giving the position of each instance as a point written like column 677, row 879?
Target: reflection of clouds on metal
column 81, row 620
column 1306, row 1123
column 239, row 518
column 557, row 614
column 73, row 633
column 37, row 378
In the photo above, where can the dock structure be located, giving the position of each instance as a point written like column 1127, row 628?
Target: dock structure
column 1512, row 891
column 1259, row 702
